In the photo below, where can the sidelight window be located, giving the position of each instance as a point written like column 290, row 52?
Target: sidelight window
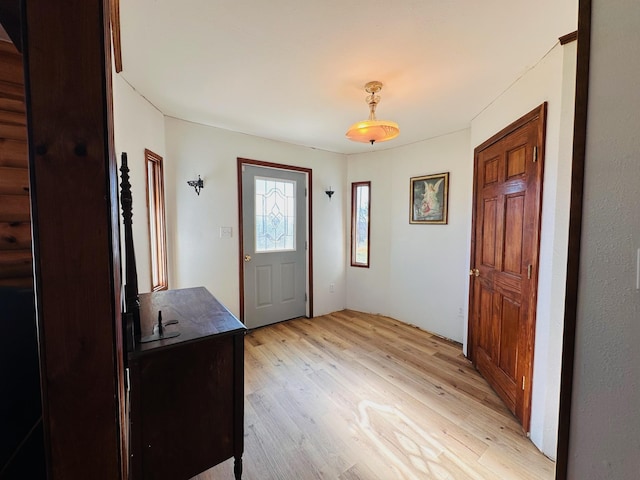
column 360, row 223
column 157, row 230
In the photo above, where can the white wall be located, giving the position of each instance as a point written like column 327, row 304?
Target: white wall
column 137, row 125
column 605, row 419
column 551, row 80
column 551, row 300
column 197, row 254
column 368, row 288
column 417, row 272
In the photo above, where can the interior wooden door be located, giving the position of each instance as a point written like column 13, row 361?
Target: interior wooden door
column 504, row 259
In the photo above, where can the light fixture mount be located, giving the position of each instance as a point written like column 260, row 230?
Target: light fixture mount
column 329, row 191
column 373, row 86
column 196, row 184
column 373, row 130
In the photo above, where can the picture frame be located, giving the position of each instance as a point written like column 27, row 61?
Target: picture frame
column 429, row 199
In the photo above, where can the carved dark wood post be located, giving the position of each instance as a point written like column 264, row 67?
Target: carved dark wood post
column 132, row 303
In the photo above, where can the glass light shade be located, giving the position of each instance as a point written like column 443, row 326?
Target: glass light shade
column 370, row 131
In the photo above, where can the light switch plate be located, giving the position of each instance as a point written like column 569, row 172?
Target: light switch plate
column 225, row 232
column 638, row 270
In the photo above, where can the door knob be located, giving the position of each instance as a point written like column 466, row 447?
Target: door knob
column 474, row 272
column 247, row 258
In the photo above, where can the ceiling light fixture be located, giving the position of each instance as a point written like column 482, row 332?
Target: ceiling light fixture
column 373, row 130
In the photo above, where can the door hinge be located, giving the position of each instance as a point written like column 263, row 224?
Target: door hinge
column 305, row 296
column 523, row 382
column 535, row 153
column 529, row 269
column 127, row 379
column 305, row 192
column 306, row 245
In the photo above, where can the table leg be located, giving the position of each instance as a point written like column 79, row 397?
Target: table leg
column 237, row 468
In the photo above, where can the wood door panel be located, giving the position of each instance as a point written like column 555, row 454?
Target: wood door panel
column 504, row 256
column 485, row 337
column 515, row 163
column 509, row 329
column 497, row 379
column 489, row 224
column 515, row 186
column 513, row 234
column 490, row 171
column 507, row 284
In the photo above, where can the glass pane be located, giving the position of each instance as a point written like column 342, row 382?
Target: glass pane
column 275, row 214
column 157, row 238
column 360, row 224
column 153, row 226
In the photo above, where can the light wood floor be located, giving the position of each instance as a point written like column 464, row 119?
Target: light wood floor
column 352, row 396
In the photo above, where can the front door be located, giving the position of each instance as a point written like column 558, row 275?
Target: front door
column 504, row 259
column 273, row 244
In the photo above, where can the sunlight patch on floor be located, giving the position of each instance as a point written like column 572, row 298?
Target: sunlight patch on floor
column 412, row 452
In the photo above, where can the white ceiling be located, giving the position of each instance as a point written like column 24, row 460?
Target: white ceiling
column 294, row 70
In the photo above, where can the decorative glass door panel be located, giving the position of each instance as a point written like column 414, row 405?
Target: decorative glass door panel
column 275, row 215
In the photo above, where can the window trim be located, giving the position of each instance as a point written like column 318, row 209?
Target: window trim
column 157, row 236
column 354, row 188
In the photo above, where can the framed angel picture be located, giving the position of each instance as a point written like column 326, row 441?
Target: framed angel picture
column 429, row 199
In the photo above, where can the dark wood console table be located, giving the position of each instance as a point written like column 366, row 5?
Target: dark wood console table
column 187, row 392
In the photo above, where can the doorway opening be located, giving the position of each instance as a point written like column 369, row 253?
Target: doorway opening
column 275, row 247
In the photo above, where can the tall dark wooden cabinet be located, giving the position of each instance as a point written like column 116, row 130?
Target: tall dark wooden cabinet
column 187, row 392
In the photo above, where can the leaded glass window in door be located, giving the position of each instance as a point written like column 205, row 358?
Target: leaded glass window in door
column 275, row 214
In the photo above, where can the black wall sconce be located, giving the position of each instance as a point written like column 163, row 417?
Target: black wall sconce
column 329, row 192
column 197, row 184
